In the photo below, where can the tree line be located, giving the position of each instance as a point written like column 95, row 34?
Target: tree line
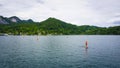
column 54, row 26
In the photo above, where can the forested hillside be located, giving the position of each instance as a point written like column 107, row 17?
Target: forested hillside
column 54, row 26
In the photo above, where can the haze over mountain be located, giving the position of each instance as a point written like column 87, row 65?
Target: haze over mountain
column 13, row 19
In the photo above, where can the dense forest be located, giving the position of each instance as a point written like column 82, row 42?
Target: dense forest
column 53, row 26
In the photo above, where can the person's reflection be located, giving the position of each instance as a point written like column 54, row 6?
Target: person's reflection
column 86, row 51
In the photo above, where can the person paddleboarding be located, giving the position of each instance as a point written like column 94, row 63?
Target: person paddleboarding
column 86, row 44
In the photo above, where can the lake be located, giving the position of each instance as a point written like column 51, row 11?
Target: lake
column 62, row 51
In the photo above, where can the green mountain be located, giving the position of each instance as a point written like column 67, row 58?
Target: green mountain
column 55, row 26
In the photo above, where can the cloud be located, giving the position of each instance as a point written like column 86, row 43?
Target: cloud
column 80, row 12
column 40, row 1
column 1, row 5
column 116, row 22
column 108, row 9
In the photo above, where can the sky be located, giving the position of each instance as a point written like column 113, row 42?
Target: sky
column 104, row 13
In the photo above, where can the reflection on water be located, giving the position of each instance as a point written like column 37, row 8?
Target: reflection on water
column 59, row 51
column 86, row 51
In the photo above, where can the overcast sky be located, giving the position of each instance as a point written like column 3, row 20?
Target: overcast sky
column 80, row 12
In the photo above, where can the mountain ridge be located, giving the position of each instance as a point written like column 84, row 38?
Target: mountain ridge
column 52, row 26
column 13, row 19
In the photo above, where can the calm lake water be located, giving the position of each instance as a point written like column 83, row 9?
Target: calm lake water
column 60, row 51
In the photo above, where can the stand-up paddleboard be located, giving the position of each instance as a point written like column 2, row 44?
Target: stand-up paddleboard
column 86, row 45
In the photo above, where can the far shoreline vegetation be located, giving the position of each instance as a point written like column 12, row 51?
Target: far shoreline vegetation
column 53, row 26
